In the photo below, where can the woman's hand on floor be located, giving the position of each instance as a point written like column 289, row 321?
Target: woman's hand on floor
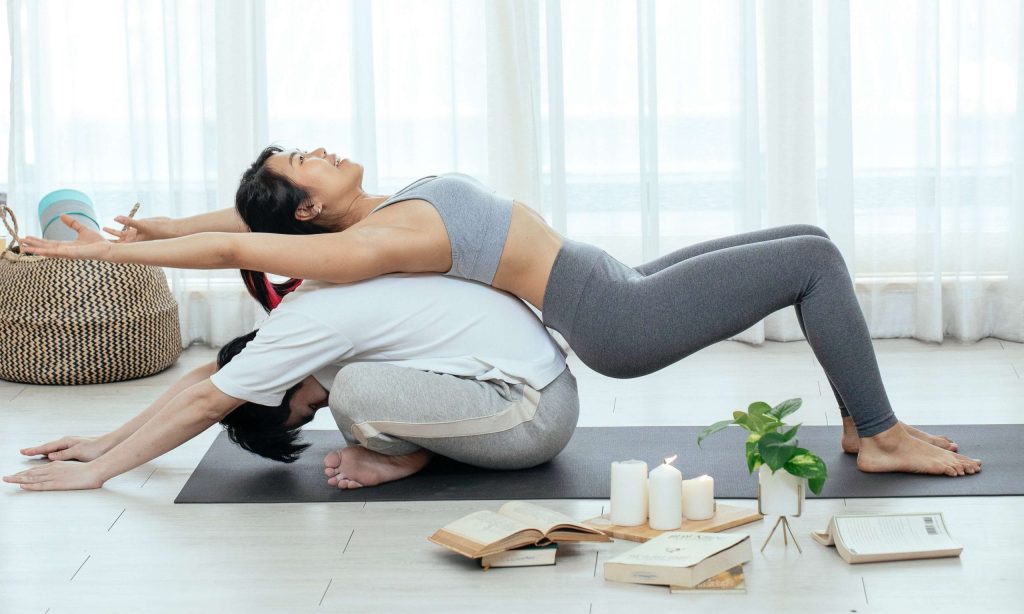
column 70, row 447
column 90, row 245
column 58, row 475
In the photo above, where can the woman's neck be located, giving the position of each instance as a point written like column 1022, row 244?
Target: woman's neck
column 358, row 209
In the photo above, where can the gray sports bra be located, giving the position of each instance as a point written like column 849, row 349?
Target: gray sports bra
column 475, row 217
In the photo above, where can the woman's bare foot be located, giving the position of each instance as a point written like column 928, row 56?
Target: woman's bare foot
column 355, row 466
column 897, row 450
column 851, row 440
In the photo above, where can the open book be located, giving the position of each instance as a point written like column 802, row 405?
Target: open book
column 868, row 538
column 515, row 524
column 527, row 556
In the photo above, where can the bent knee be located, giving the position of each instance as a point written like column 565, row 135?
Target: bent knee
column 821, row 251
column 810, row 229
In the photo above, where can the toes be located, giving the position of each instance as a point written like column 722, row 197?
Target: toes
column 343, row 482
column 333, row 459
column 959, row 468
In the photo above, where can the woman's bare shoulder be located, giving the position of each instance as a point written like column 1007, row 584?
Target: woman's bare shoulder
column 411, row 241
column 414, row 214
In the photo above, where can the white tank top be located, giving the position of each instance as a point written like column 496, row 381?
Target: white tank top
column 420, row 321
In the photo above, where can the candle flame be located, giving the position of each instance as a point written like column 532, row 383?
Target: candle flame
column 671, row 459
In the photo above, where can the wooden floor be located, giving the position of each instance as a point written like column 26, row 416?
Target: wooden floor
column 128, row 548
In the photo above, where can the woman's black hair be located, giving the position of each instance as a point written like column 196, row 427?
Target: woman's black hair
column 260, row 428
column 266, row 201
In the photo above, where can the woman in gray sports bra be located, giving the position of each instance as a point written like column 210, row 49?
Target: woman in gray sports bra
column 621, row 321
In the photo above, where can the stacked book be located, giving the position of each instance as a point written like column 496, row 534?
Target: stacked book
column 683, row 560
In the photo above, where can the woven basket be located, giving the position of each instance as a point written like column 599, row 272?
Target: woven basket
column 82, row 321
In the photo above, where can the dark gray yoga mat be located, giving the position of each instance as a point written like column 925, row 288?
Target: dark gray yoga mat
column 228, row 474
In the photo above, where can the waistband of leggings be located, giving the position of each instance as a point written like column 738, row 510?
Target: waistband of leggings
column 570, row 274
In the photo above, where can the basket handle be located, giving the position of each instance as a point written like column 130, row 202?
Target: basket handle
column 7, row 212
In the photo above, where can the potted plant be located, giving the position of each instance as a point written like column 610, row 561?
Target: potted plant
column 772, row 448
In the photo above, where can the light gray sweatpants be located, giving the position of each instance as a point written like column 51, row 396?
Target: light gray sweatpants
column 493, row 424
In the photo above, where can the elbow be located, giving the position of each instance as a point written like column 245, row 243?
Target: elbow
column 228, row 254
column 209, row 411
column 207, row 370
column 208, row 402
column 338, row 279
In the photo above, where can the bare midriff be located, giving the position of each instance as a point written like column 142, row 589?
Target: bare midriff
column 529, row 253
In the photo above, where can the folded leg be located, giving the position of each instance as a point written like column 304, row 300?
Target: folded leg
column 396, row 411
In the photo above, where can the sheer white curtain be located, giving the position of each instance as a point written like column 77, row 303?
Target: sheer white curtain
column 639, row 126
column 121, row 100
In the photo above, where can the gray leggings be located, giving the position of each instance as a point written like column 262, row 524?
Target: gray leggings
column 395, row 410
column 625, row 322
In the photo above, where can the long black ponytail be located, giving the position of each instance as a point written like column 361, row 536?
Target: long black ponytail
column 266, row 201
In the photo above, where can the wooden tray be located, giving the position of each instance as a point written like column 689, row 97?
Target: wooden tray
column 726, row 517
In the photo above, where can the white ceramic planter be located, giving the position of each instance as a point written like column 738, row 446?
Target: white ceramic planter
column 780, row 493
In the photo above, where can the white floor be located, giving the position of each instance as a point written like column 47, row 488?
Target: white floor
column 128, row 548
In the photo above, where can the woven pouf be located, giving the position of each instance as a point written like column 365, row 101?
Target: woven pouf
column 83, row 321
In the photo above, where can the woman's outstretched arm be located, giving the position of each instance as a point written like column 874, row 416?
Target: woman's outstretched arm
column 87, row 449
column 335, row 257
column 152, row 228
column 191, row 412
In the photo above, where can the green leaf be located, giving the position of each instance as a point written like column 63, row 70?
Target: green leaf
column 774, row 450
column 790, row 433
column 759, row 408
column 762, row 423
column 753, row 458
column 743, row 419
column 786, row 407
column 816, row 484
column 711, row 430
column 805, row 464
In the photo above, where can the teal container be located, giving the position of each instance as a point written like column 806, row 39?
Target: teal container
column 70, row 202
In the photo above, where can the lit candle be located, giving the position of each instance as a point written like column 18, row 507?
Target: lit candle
column 699, row 498
column 665, row 502
column 629, row 493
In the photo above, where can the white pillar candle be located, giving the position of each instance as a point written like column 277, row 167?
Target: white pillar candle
column 665, row 501
column 629, row 493
column 699, row 498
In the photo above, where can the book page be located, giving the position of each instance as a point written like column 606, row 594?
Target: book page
column 679, row 549
column 534, row 515
column 485, row 527
column 894, row 534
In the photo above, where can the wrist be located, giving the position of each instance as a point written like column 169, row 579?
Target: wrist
column 173, row 228
column 100, row 470
column 108, row 441
column 114, row 252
